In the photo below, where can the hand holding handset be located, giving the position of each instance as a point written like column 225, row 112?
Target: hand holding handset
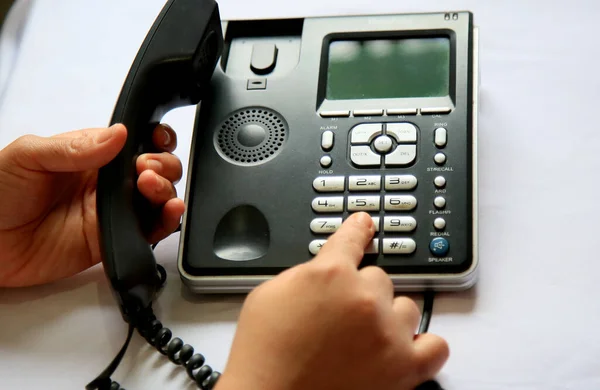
column 172, row 69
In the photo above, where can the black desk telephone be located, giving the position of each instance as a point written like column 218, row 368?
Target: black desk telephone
column 300, row 122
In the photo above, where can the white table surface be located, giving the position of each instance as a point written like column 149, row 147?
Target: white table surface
column 531, row 322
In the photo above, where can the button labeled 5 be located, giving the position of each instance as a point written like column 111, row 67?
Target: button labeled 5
column 363, row 203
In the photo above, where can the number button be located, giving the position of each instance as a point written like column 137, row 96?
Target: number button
column 333, row 204
column 325, row 225
column 400, row 182
column 363, row 203
column 400, row 202
column 329, row 183
column 399, row 224
column 364, row 183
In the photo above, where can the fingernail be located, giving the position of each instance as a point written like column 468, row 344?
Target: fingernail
column 167, row 137
column 105, row 134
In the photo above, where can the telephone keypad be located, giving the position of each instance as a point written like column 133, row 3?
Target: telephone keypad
column 328, row 204
column 400, row 202
column 400, row 182
column 364, row 183
column 399, row 224
column 398, row 246
column 364, row 203
column 325, row 225
column 329, row 183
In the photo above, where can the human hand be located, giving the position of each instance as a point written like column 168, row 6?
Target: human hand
column 48, row 222
column 325, row 325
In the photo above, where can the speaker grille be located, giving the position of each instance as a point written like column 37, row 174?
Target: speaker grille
column 264, row 127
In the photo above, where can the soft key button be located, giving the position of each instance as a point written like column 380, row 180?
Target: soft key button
column 398, row 246
column 399, row 224
column 400, row 182
column 402, row 155
column 327, row 140
column 400, row 202
column 364, row 133
column 329, row 183
column 332, row 204
column 363, row 203
column 325, row 225
column 364, row 183
column 402, row 132
column 364, row 156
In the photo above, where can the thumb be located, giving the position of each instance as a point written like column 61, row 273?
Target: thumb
column 69, row 152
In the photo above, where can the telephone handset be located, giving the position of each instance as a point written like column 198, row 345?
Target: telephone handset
column 172, row 69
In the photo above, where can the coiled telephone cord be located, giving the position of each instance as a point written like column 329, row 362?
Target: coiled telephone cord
column 153, row 331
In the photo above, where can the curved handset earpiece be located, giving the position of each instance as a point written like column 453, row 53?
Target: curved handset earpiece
column 172, row 69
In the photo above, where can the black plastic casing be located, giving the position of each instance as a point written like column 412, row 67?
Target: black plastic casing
column 172, row 69
column 265, row 208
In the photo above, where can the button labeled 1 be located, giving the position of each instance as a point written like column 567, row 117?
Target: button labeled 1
column 325, row 225
column 329, row 183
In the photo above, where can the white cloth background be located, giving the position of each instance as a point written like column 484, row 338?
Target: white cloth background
column 531, row 322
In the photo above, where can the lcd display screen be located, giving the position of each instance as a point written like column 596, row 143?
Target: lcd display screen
column 388, row 68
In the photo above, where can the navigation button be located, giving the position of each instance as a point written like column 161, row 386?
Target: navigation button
column 364, row 133
column 402, row 132
column 383, row 144
column 364, row 156
column 329, row 183
column 398, row 246
column 364, row 183
column 327, row 140
column 402, row 155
